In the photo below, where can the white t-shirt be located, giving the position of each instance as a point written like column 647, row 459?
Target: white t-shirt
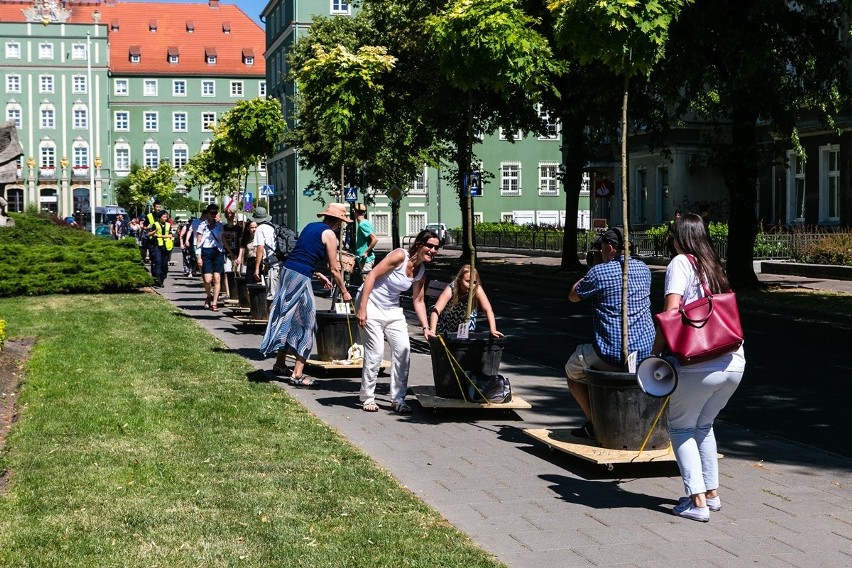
column 681, row 279
column 265, row 235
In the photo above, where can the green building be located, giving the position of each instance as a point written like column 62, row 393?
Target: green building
column 525, row 187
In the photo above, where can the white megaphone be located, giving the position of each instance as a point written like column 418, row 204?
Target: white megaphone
column 656, row 377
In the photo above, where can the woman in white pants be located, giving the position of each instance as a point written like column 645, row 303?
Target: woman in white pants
column 380, row 317
column 703, row 388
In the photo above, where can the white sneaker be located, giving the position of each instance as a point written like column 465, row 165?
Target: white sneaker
column 713, row 503
column 689, row 511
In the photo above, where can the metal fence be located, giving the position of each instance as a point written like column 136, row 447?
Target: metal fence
column 766, row 246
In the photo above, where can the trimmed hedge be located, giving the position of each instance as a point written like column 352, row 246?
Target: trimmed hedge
column 38, row 257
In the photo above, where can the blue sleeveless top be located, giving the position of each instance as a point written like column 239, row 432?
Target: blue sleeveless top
column 309, row 249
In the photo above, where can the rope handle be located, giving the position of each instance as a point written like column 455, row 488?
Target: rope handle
column 454, row 363
column 654, row 425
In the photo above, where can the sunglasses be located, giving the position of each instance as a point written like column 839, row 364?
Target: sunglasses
column 431, row 246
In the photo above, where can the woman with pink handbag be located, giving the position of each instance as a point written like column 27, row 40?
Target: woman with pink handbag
column 705, row 387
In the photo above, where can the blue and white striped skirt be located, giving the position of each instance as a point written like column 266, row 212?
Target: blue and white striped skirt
column 293, row 319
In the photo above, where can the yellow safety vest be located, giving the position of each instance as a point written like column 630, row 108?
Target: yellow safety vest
column 164, row 236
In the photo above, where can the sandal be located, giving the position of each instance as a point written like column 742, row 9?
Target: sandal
column 286, row 371
column 402, row 408
column 370, row 407
column 303, row 382
column 214, row 308
column 208, row 302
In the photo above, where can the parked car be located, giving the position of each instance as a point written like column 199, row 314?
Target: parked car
column 440, row 229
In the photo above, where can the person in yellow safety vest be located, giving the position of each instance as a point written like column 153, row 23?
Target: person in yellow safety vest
column 148, row 227
column 164, row 242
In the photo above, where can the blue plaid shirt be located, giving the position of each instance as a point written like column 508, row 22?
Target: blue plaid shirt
column 603, row 285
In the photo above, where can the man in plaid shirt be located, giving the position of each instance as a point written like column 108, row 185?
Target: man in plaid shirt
column 602, row 284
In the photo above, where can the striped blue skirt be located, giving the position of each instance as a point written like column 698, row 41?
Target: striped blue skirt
column 293, row 319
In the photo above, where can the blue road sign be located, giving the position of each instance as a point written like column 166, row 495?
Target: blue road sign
column 350, row 194
column 308, row 193
column 267, row 189
column 247, row 201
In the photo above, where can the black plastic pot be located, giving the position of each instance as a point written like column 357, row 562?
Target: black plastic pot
column 333, row 337
column 257, row 301
column 242, row 292
column 622, row 414
column 232, row 285
column 479, row 355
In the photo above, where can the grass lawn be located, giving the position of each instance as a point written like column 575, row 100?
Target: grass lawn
column 142, row 442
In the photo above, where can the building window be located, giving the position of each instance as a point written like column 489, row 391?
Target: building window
column 179, row 88
column 13, row 50
column 236, row 88
column 122, row 120
column 13, row 83
column 509, row 135
column 210, row 55
column 551, row 125
column 507, row 218
column 81, row 118
column 150, row 89
column 829, row 183
column 150, row 121
column 548, row 179
column 796, row 188
column 419, row 184
column 81, row 156
column 180, row 156
column 45, row 51
column 78, row 84
column 510, row 178
column 179, row 122
column 78, row 51
column 208, row 89
column 47, row 156
column 13, row 114
column 48, row 118
column 122, row 159
column 339, row 7
column 135, row 57
column 45, row 84
column 261, row 88
column 152, row 157
column 208, row 120
column 249, row 59
column 120, row 87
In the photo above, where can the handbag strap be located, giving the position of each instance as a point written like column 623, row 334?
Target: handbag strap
column 707, row 291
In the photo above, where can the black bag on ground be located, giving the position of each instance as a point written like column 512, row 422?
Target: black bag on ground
column 495, row 390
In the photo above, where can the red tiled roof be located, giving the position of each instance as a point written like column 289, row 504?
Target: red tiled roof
column 173, row 22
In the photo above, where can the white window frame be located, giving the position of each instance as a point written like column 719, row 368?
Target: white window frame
column 150, row 121
column 510, row 175
column 122, row 160
column 150, row 87
column 548, row 179
column 420, row 184
column 79, row 85
column 46, row 84
column 211, row 60
column 205, row 121
column 518, row 135
column 135, row 57
column 14, row 113
column 47, row 155
column 552, row 125
column 78, row 51
column 237, row 89
column 151, row 149
column 795, row 177
column 381, row 223
column 121, row 88
column 47, row 116
column 80, row 117
column 415, row 222
column 121, row 121
column 80, row 154
column 45, row 50
column 507, row 217
column 827, row 177
column 477, row 217
column 13, row 83
column 177, row 126
column 174, row 59
column 340, row 7
column 249, row 59
column 179, row 88
column 13, row 50
column 204, row 88
column 261, row 88
column 178, row 164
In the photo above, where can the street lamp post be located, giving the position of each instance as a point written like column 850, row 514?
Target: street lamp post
column 90, row 88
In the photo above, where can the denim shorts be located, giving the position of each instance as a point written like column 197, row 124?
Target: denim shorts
column 212, row 261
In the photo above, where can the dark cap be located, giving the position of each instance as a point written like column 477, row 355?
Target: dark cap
column 614, row 236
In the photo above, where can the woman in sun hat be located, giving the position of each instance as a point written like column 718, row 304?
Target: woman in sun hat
column 292, row 318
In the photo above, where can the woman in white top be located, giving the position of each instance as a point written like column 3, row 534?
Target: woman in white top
column 703, row 388
column 380, row 317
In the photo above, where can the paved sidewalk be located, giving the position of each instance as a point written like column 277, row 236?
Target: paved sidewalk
column 783, row 504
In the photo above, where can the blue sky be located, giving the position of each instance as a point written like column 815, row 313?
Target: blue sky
column 252, row 8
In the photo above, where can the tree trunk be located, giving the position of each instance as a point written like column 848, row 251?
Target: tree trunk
column 574, row 159
column 624, row 281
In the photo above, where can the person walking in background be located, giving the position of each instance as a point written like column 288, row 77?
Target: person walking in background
column 248, row 250
column 164, row 241
column 118, row 228
column 209, row 240
column 602, row 284
column 134, row 229
column 231, row 239
column 703, row 389
column 365, row 240
column 292, row 319
column 448, row 313
column 267, row 268
column 381, row 317
column 148, row 228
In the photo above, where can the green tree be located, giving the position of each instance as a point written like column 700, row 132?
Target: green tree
column 749, row 68
column 141, row 184
column 248, row 133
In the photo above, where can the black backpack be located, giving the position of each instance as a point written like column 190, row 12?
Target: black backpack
column 285, row 241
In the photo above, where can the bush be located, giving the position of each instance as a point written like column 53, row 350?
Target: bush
column 834, row 248
column 37, row 258
column 2, row 333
